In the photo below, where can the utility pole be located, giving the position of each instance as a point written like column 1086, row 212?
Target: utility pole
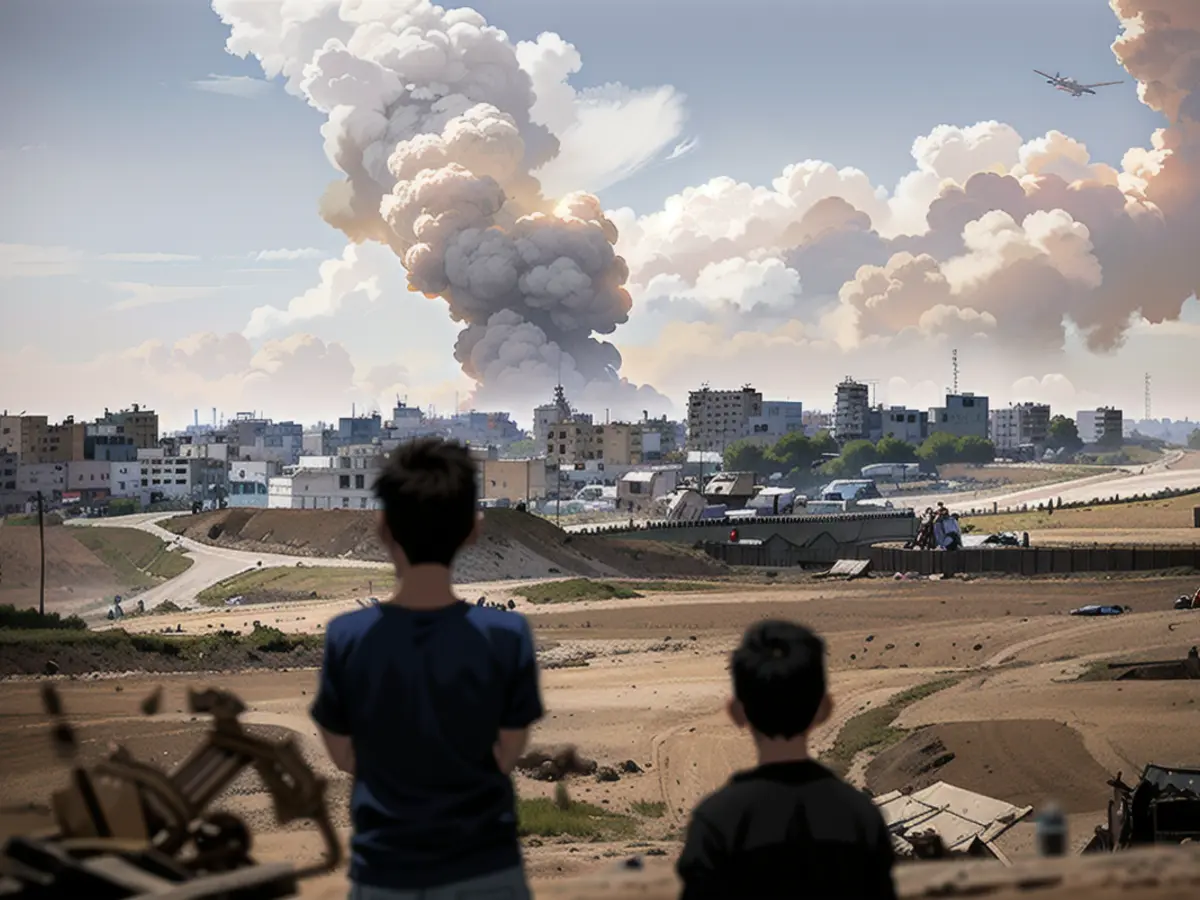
column 42, row 542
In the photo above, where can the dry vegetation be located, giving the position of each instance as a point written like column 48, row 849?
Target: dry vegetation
column 281, row 584
column 1176, row 512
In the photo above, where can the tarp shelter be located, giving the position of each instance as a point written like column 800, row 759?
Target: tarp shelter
column 960, row 818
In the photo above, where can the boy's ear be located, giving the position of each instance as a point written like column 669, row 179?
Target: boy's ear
column 824, row 711
column 737, row 712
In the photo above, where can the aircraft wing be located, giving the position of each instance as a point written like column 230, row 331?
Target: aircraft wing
column 1044, row 75
column 1102, row 84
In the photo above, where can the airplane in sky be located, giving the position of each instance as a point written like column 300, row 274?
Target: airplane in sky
column 1070, row 85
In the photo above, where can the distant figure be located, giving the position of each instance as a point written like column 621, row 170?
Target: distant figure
column 427, row 701
column 789, row 828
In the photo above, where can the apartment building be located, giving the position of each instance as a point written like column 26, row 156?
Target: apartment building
column 256, row 439
column 183, row 478
column 88, row 480
column 1018, row 426
column 103, row 442
column 903, row 424
column 964, row 415
column 718, row 418
column 1105, row 425
column 778, row 417
column 515, row 480
column 326, row 482
column 49, row 478
column 139, row 424
column 851, row 411
column 249, row 482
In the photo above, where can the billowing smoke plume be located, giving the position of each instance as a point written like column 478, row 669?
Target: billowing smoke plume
column 429, row 118
column 1013, row 244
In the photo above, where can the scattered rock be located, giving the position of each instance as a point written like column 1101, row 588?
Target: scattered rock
column 152, row 703
column 870, row 637
column 977, row 647
column 629, row 767
column 607, row 773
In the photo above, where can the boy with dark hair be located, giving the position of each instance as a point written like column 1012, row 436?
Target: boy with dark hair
column 427, row 700
column 789, row 828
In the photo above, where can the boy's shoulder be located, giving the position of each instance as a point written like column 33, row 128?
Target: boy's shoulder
column 351, row 624
column 490, row 618
column 749, row 789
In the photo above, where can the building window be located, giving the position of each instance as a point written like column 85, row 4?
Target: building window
column 345, row 503
column 362, row 503
column 344, row 482
column 359, row 482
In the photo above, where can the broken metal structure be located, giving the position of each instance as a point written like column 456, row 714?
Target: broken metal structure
column 127, row 829
column 1162, row 808
column 943, row 820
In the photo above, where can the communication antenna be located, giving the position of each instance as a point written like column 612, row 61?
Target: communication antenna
column 954, row 366
column 1147, row 414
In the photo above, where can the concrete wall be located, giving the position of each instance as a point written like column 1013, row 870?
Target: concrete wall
column 826, row 538
column 1035, row 560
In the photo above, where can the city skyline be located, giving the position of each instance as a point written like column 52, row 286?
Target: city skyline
column 199, row 272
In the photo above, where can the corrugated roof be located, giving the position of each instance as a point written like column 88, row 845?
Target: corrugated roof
column 958, row 816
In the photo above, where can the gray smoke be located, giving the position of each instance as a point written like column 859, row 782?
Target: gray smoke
column 429, row 120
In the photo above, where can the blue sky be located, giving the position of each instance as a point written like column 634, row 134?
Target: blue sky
column 111, row 147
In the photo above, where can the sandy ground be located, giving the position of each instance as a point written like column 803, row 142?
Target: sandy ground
column 1020, row 726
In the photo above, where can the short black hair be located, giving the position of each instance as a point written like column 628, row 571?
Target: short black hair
column 779, row 677
column 429, row 497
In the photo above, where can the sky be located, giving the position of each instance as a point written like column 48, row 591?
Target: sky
column 162, row 210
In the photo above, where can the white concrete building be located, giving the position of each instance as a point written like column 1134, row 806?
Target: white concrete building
column 641, row 487
column 49, row 478
column 326, row 482
column 964, row 415
column 851, row 411
column 125, row 480
column 1020, row 425
column 182, row 478
column 1100, row 426
column 903, row 424
column 779, row 417
column 249, row 482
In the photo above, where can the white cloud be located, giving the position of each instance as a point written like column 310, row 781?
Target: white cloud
column 43, row 261
column 683, row 148
column 233, row 85
column 606, row 133
column 361, row 269
column 140, row 294
column 287, row 255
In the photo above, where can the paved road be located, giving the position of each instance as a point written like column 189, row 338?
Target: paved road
column 209, row 564
column 1148, row 480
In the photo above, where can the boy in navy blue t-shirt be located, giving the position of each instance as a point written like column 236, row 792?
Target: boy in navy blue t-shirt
column 427, row 701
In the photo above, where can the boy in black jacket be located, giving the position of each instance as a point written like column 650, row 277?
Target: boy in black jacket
column 789, row 828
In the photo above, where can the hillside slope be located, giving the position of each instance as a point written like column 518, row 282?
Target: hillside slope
column 511, row 545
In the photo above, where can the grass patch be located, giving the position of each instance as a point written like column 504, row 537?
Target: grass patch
column 263, row 639
column 674, row 587
column 649, row 809
column 26, row 519
column 138, row 557
column 574, row 590
column 285, row 582
column 541, row 817
column 872, row 730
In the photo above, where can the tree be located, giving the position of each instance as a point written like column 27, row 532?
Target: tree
column 857, row 454
column 939, row 448
column 792, row 451
column 823, row 442
column 743, row 456
column 894, row 450
column 1063, row 435
column 972, row 449
column 1194, row 440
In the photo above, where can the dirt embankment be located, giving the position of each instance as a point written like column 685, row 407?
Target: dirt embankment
column 512, row 544
column 74, row 574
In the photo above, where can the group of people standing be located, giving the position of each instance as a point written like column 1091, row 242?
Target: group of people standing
column 938, row 530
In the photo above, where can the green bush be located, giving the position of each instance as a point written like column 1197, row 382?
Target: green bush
column 29, row 619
